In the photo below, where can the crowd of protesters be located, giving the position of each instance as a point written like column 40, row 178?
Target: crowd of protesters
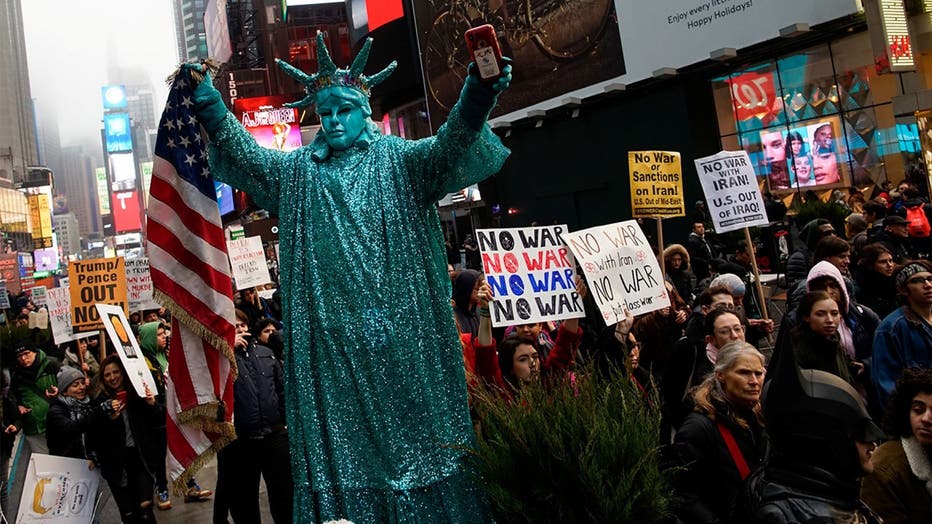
column 853, row 347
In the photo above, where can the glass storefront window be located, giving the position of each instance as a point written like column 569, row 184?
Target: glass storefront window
column 808, row 84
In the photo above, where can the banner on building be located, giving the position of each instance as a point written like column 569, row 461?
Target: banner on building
column 95, row 281
column 121, row 335
column 9, row 272
column 247, row 258
column 621, row 269
column 58, row 490
column 731, row 191
column 531, row 273
column 656, row 184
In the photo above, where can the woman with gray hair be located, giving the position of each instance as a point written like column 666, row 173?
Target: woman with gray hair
column 720, row 442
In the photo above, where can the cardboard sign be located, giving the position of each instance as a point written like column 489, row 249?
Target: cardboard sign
column 656, row 184
column 247, row 257
column 139, row 285
column 58, row 490
column 59, row 304
column 4, row 298
column 38, row 296
column 99, row 280
column 114, row 319
column 731, row 191
column 620, row 268
column 531, row 272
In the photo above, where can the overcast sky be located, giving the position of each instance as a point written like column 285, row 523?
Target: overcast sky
column 69, row 44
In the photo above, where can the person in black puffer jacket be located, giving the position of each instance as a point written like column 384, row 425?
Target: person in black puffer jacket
column 800, row 262
column 261, row 445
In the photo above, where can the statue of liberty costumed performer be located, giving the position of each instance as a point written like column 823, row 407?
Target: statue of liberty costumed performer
column 375, row 388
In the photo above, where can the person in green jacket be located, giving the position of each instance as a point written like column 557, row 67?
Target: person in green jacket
column 33, row 385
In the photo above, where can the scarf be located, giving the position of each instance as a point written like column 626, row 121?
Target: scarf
column 918, row 461
column 78, row 409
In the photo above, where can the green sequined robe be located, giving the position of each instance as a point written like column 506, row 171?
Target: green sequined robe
column 375, row 387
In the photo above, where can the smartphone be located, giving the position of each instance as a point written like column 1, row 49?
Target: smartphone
column 485, row 52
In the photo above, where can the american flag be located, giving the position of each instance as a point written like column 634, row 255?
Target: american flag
column 191, row 277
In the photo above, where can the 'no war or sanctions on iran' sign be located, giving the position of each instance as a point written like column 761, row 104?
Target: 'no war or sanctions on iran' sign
column 96, row 281
column 656, row 184
column 531, row 273
column 621, row 269
column 731, row 190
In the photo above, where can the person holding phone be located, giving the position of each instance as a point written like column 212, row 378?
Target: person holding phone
column 375, row 389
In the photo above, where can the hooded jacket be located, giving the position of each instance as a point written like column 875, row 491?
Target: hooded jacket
column 799, row 263
column 683, row 278
column 28, row 385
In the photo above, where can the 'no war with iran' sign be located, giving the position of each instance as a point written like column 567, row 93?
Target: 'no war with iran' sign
column 731, row 190
column 621, row 269
column 531, row 273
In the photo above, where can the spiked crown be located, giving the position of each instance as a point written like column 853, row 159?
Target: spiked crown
column 328, row 75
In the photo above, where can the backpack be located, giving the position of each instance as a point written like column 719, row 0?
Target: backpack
column 918, row 222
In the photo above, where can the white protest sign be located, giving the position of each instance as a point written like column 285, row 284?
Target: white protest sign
column 620, row 268
column 58, row 490
column 248, row 261
column 127, row 347
column 731, row 191
column 531, row 273
column 139, row 285
column 59, row 304
column 38, row 296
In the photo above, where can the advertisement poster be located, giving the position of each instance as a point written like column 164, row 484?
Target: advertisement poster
column 247, row 258
column 810, row 155
column 531, row 273
column 121, row 335
column 269, row 122
column 126, row 211
column 620, row 268
column 139, row 285
column 656, row 184
column 560, row 46
column 98, row 280
column 9, row 271
column 103, row 196
column 58, row 490
column 118, row 132
column 731, row 191
column 59, row 304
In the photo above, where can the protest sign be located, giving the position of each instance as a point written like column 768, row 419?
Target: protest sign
column 656, row 184
column 531, row 272
column 38, row 296
column 620, row 268
column 59, row 304
column 114, row 319
column 4, row 298
column 139, row 285
column 58, row 490
column 99, row 280
column 731, row 191
column 247, row 257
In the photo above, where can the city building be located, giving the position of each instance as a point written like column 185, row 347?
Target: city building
column 77, row 181
column 189, row 29
column 68, row 233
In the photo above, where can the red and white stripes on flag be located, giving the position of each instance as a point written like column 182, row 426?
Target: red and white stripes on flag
column 191, row 277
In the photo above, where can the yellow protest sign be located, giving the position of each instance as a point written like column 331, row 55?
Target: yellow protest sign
column 656, row 184
column 100, row 280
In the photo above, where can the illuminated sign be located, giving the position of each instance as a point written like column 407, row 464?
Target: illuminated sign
column 897, row 46
column 114, row 97
column 118, row 132
column 146, row 172
column 126, row 211
column 40, row 214
column 122, row 171
column 224, row 197
column 103, row 195
column 46, row 259
column 272, row 125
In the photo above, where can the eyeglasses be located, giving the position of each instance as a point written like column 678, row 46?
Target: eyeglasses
column 920, row 280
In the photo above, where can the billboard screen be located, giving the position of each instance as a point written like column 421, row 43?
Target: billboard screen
column 118, row 132
column 126, row 211
column 270, row 123
column 224, row 197
column 122, row 171
column 114, row 97
column 46, row 259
